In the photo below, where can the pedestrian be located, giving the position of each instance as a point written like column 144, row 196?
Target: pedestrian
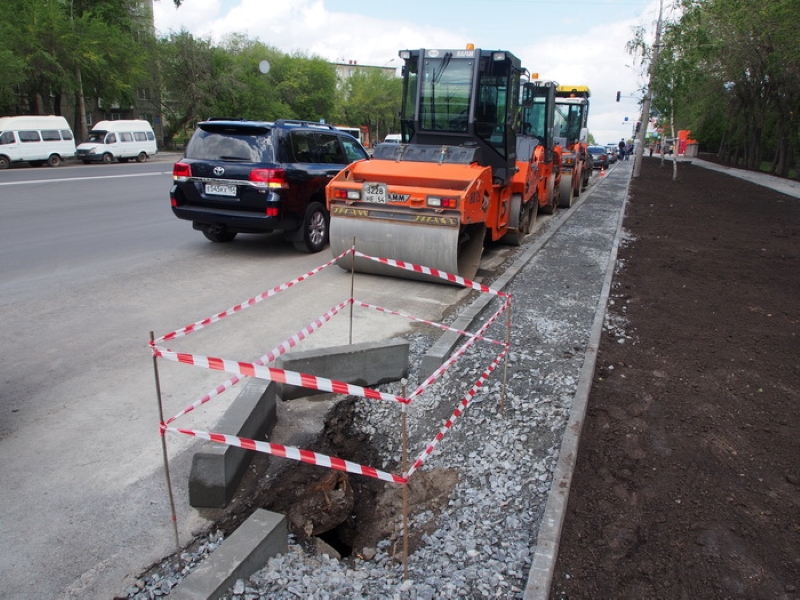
column 628, row 150
column 621, row 149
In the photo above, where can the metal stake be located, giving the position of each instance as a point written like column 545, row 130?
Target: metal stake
column 405, row 486
column 166, row 460
column 508, row 348
column 352, row 285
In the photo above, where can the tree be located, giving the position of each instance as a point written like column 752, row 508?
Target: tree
column 370, row 97
column 730, row 69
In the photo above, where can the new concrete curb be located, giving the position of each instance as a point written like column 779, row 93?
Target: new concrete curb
column 247, row 550
column 365, row 364
column 217, row 469
column 540, row 575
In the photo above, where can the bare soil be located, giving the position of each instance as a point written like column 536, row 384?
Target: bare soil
column 688, row 475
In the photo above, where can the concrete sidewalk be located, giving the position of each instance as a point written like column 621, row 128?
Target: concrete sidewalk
column 789, row 187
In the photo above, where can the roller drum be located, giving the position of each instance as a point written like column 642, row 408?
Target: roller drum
column 451, row 249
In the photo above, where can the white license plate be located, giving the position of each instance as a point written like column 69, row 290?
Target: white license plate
column 217, row 189
column 375, row 192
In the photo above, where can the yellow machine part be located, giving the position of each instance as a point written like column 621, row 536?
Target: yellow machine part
column 405, row 227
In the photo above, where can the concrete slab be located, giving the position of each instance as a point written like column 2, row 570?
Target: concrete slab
column 259, row 538
column 366, row 364
column 217, row 469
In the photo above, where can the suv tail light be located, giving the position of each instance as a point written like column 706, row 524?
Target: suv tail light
column 270, row 178
column 181, row 171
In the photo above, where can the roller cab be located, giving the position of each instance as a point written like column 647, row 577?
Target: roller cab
column 450, row 184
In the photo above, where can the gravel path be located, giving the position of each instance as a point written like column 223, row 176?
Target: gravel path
column 481, row 544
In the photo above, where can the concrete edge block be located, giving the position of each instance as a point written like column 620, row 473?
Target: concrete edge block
column 217, row 469
column 262, row 536
column 364, row 364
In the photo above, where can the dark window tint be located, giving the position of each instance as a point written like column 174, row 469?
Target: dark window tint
column 328, row 150
column 7, row 137
column 302, row 143
column 139, row 136
column 236, row 144
column 353, row 150
column 66, row 134
column 111, row 139
column 124, row 136
column 29, row 136
column 151, row 136
column 50, row 135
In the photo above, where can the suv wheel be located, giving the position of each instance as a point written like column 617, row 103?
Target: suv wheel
column 315, row 229
column 217, row 234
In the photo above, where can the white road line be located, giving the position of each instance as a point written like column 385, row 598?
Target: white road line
column 61, row 180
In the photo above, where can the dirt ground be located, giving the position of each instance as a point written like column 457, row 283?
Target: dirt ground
column 688, row 476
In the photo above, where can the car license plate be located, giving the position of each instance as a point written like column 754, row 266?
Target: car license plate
column 218, row 189
column 375, row 192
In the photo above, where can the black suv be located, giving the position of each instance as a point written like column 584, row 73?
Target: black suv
column 256, row 177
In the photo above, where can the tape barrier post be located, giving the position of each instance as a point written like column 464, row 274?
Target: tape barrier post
column 404, row 413
column 352, row 284
column 505, row 362
column 166, row 460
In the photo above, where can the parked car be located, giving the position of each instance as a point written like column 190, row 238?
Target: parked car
column 392, row 138
column 257, row 177
column 612, row 154
column 599, row 157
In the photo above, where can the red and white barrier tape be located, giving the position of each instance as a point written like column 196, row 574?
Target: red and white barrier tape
column 459, row 410
column 259, row 369
column 460, row 351
column 306, row 456
column 270, row 356
column 433, row 272
column 246, row 304
column 249, row 369
column 420, row 320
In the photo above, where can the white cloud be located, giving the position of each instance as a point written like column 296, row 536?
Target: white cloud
column 559, row 45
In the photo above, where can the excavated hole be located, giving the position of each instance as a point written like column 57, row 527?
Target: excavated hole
column 350, row 513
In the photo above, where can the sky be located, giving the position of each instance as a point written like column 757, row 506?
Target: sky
column 574, row 42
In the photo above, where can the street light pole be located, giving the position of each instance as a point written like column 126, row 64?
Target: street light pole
column 648, row 99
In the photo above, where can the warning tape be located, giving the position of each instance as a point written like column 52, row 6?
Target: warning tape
column 431, row 271
column 246, row 304
column 459, row 410
column 250, row 369
column 306, row 456
column 421, row 320
column 459, row 352
column 270, row 356
column 259, row 369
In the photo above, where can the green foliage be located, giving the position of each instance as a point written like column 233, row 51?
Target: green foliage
column 728, row 68
column 104, row 51
column 370, row 97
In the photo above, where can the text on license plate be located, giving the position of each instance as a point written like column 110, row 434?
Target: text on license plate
column 218, row 189
column 375, row 192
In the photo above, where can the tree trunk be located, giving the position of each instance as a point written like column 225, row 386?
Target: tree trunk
column 81, row 108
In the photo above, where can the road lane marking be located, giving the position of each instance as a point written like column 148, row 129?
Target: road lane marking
column 61, row 180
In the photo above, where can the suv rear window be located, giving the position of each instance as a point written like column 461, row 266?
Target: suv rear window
column 225, row 142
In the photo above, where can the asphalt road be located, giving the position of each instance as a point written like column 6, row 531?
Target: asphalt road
column 91, row 261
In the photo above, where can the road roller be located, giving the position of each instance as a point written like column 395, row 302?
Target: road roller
column 463, row 175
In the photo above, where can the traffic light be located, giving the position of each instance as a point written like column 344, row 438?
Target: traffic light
column 617, row 96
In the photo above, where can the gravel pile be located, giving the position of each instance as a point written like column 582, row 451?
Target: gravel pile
column 481, row 543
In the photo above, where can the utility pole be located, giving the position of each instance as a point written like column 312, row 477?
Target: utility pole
column 648, row 99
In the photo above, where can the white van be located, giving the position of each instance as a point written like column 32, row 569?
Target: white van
column 36, row 140
column 120, row 140
column 392, row 138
